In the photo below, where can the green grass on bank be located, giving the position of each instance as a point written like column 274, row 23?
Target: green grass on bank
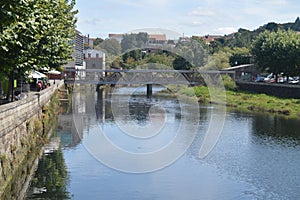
column 245, row 101
column 263, row 103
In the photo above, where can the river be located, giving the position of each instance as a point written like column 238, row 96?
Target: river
column 256, row 155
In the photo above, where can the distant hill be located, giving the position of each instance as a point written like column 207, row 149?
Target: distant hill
column 272, row 26
column 244, row 37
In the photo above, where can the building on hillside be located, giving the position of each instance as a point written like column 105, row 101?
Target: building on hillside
column 157, row 39
column 118, row 37
column 153, row 39
column 185, row 39
column 209, row 38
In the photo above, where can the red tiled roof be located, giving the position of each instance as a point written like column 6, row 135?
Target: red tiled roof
column 160, row 37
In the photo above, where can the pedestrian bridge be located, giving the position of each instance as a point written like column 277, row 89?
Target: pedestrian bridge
column 130, row 77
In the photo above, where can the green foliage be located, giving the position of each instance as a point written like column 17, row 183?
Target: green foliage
column 244, row 38
column 277, row 51
column 219, row 60
column 52, row 175
column 229, row 83
column 133, row 41
column 98, row 41
column 194, row 53
column 240, row 56
column 181, row 63
column 35, row 34
column 110, row 46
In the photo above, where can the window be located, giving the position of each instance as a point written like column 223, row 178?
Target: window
column 97, row 55
column 89, row 55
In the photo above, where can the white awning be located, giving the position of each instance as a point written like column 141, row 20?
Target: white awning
column 36, row 74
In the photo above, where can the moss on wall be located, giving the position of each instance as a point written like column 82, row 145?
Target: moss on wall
column 24, row 145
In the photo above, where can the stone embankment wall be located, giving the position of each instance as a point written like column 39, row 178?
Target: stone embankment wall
column 279, row 90
column 21, row 134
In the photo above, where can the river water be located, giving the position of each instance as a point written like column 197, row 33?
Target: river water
column 256, row 156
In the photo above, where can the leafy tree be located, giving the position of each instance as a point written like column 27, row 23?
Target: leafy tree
column 219, row 60
column 128, row 42
column 142, row 39
column 133, row 41
column 35, row 34
column 111, row 46
column 240, row 56
column 98, row 41
column 193, row 51
column 181, row 63
column 278, row 51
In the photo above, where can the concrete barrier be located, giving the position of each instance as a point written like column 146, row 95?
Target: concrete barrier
column 279, row 90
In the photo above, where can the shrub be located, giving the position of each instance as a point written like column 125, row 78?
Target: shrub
column 229, row 84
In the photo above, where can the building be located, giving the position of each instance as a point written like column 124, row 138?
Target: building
column 153, row 39
column 88, row 42
column 247, row 72
column 78, row 48
column 118, row 37
column 94, row 59
column 76, row 57
column 159, row 39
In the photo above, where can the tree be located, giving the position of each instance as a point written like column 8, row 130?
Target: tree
column 133, row 41
column 35, row 34
column 128, row 42
column 142, row 39
column 240, row 56
column 193, row 51
column 111, row 46
column 98, row 41
column 277, row 52
column 181, row 63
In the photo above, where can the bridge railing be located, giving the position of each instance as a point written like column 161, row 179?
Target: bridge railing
column 125, row 77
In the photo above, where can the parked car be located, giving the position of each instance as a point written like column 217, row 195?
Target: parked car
column 293, row 80
column 270, row 78
column 260, row 79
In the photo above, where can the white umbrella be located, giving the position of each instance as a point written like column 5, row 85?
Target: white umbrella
column 41, row 74
column 36, row 74
column 55, row 72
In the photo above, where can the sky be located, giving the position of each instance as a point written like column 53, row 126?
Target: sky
column 177, row 18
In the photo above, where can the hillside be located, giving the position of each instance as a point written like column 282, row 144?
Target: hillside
column 244, row 37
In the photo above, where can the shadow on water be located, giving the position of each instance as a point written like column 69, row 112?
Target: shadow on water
column 280, row 129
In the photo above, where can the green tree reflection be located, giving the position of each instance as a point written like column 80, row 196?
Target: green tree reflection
column 51, row 178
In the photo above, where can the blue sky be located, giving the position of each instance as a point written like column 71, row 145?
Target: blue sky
column 193, row 17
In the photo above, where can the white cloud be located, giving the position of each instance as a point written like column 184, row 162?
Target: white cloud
column 225, row 30
column 202, row 12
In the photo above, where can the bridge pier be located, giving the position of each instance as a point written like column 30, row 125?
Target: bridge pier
column 149, row 90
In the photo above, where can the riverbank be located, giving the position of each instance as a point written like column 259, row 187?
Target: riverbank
column 25, row 128
column 247, row 101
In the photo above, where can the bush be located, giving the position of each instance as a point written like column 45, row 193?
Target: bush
column 229, row 84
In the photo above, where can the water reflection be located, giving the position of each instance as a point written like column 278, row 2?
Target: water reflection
column 257, row 156
column 51, row 178
column 283, row 130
